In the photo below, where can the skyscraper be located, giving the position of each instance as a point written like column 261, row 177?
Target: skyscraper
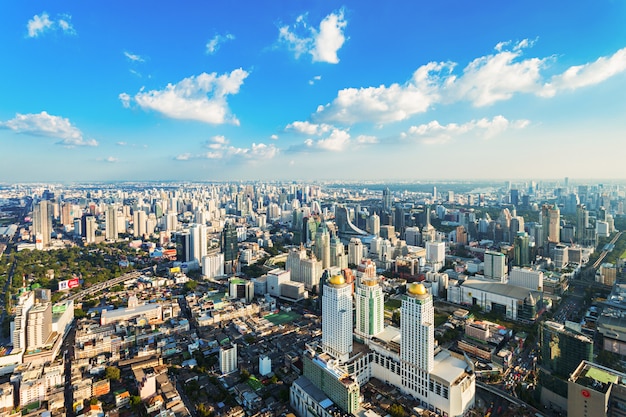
column 554, row 224
column 369, row 300
column 42, row 222
column 230, row 246
column 562, row 348
column 386, row 200
column 417, row 343
column 495, row 265
column 322, row 245
column 355, row 251
column 337, row 318
column 198, row 242
column 139, row 223
column 111, row 222
column 521, row 249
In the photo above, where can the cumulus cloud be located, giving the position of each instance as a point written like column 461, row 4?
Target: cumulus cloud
column 483, row 82
column 111, row 159
column 366, row 140
column 435, row 133
column 322, row 44
column 588, row 74
column 309, row 128
column 47, row 125
column 213, row 45
column 42, row 23
column 274, row 137
column 121, row 143
column 201, row 98
column 133, row 57
column 220, row 148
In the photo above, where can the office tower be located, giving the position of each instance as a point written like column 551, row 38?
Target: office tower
column 171, row 222
column 42, row 222
column 582, row 222
column 185, row 247
column 412, row 236
column 338, row 255
column 337, row 318
column 386, row 200
column 39, row 326
column 111, row 222
column 241, row 289
column 370, row 315
column 435, row 252
column 139, row 223
column 521, row 249
column 554, row 224
column 514, row 196
column 417, row 343
column 355, row 251
column 562, row 348
column 66, row 214
column 461, row 235
column 434, row 193
column 198, row 234
column 495, row 266
column 373, row 224
column 399, row 220
column 321, row 247
column 428, row 231
column 230, row 246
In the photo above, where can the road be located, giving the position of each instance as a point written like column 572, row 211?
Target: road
column 598, row 262
column 108, row 284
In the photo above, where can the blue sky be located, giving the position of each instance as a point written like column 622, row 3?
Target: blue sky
column 152, row 90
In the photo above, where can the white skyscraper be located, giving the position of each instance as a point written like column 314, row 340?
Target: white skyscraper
column 213, row 265
column 42, row 223
column 417, row 326
column 337, row 318
column 370, row 315
column 435, row 252
column 198, row 242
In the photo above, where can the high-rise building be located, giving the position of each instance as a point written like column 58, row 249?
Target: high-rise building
column 66, row 214
column 370, row 315
column 228, row 358
column 495, row 265
column 199, row 244
column 435, row 252
column 562, row 348
column 213, row 265
column 321, row 247
column 337, row 318
column 521, row 249
column 90, row 229
column 595, row 391
column 111, row 222
column 387, row 200
column 355, row 251
column 39, row 326
column 230, row 246
column 139, row 223
column 42, row 222
column 338, row 255
column 582, row 222
column 554, row 225
column 373, row 224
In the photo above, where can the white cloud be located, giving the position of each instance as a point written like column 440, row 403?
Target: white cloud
column 435, row 133
column 213, row 45
column 484, row 81
column 314, row 79
column 44, row 124
column 274, row 137
column 42, row 23
column 201, row 98
column 125, row 99
column 588, row 74
column 338, row 140
column 220, row 149
column 309, row 128
column 121, row 143
column 322, row 44
column 388, row 104
column 38, row 25
column 111, row 159
column 183, row 157
column 366, row 140
column 133, row 57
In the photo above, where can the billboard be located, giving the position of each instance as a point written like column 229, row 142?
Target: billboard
column 68, row 284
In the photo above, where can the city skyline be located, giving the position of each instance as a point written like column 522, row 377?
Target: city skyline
column 293, row 90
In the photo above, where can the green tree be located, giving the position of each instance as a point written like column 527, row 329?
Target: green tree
column 135, row 401
column 112, row 373
column 396, row 410
column 190, row 286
